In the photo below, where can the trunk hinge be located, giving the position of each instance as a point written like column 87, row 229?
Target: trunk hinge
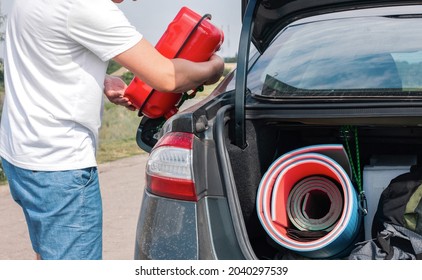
column 241, row 74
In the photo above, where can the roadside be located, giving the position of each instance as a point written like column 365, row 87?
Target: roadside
column 121, row 182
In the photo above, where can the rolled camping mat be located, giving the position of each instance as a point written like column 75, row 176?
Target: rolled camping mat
column 321, row 198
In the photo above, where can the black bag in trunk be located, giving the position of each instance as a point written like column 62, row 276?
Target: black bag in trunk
column 401, row 203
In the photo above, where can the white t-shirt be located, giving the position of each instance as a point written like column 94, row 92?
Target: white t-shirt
column 56, row 56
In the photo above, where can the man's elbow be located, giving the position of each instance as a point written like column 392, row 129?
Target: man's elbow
column 165, row 85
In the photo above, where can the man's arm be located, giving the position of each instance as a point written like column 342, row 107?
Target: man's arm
column 169, row 75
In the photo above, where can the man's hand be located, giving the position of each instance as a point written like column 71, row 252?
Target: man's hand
column 114, row 89
column 218, row 72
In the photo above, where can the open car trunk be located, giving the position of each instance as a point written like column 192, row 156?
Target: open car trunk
column 383, row 149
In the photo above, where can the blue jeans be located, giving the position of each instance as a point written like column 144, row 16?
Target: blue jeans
column 63, row 210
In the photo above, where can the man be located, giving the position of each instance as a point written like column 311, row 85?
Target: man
column 56, row 56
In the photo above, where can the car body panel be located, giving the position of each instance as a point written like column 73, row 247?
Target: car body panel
column 167, row 229
column 173, row 230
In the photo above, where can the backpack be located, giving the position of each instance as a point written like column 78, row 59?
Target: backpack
column 397, row 225
column 400, row 203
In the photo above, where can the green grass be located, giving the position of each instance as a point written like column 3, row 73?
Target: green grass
column 118, row 133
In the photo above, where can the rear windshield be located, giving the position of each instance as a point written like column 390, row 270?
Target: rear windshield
column 365, row 57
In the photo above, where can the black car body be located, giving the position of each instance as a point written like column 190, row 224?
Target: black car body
column 327, row 72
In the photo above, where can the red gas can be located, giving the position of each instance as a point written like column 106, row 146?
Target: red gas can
column 189, row 36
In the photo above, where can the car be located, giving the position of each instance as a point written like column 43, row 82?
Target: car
column 287, row 157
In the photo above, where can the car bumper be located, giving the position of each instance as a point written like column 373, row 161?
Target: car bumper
column 178, row 230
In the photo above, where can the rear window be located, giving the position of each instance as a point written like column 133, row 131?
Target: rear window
column 368, row 56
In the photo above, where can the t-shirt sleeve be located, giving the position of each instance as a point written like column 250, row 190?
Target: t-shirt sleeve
column 101, row 27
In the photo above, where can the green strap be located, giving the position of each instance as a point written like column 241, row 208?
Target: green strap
column 346, row 130
column 356, row 169
column 186, row 96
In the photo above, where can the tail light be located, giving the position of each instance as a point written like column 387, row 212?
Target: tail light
column 169, row 167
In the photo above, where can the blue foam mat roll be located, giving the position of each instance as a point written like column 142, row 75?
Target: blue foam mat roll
column 340, row 220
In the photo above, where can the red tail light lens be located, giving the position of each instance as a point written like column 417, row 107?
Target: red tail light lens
column 169, row 167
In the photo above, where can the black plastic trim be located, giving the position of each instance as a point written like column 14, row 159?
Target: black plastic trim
column 229, row 183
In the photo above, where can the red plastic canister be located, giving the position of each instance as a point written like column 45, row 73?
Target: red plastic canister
column 189, row 36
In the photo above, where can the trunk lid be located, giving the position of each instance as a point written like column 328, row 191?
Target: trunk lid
column 262, row 21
